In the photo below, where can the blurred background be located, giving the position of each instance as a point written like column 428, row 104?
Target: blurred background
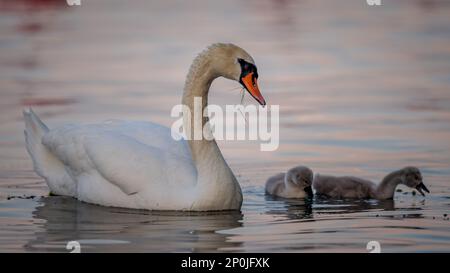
column 363, row 90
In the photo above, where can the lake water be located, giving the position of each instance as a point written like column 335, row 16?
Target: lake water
column 362, row 91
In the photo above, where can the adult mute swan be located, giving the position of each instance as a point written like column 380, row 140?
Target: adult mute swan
column 138, row 164
column 296, row 183
column 354, row 187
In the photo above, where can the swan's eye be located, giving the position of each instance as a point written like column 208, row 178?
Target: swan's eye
column 244, row 65
column 247, row 68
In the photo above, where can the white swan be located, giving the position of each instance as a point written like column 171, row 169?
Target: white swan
column 138, row 164
column 296, row 183
column 354, row 187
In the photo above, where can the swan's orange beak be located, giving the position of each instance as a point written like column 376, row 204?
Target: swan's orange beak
column 249, row 82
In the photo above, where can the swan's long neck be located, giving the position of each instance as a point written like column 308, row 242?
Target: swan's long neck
column 386, row 189
column 215, row 178
column 197, row 87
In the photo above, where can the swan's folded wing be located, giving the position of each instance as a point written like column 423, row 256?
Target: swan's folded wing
column 150, row 134
column 121, row 159
column 133, row 166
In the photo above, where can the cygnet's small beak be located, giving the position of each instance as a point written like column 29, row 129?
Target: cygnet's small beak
column 421, row 187
column 309, row 191
column 249, row 82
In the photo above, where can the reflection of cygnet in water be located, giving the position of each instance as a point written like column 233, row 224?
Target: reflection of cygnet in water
column 296, row 183
column 354, row 187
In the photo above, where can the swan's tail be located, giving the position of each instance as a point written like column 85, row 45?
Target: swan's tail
column 34, row 131
column 45, row 163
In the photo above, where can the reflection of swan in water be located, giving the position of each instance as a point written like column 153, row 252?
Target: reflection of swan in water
column 105, row 229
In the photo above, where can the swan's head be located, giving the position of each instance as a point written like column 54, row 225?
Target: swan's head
column 413, row 178
column 302, row 177
column 234, row 63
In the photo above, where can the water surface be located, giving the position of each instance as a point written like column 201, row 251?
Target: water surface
column 362, row 91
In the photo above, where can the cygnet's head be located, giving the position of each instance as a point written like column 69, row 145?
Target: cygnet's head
column 302, row 177
column 412, row 178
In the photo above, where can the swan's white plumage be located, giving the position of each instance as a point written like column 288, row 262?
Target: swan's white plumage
column 45, row 163
column 139, row 164
column 123, row 163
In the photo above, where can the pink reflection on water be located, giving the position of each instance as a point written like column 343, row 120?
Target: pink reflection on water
column 361, row 92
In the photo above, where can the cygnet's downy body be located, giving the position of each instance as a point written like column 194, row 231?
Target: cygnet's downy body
column 296, row 183
column 353, row 187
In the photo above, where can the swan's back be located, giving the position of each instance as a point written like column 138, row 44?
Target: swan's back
column 142, row 150
column 115, row 163
column 147, row 133
column 343, row 187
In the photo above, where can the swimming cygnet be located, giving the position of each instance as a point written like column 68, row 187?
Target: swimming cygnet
column 354, row 187
column 296, row 183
